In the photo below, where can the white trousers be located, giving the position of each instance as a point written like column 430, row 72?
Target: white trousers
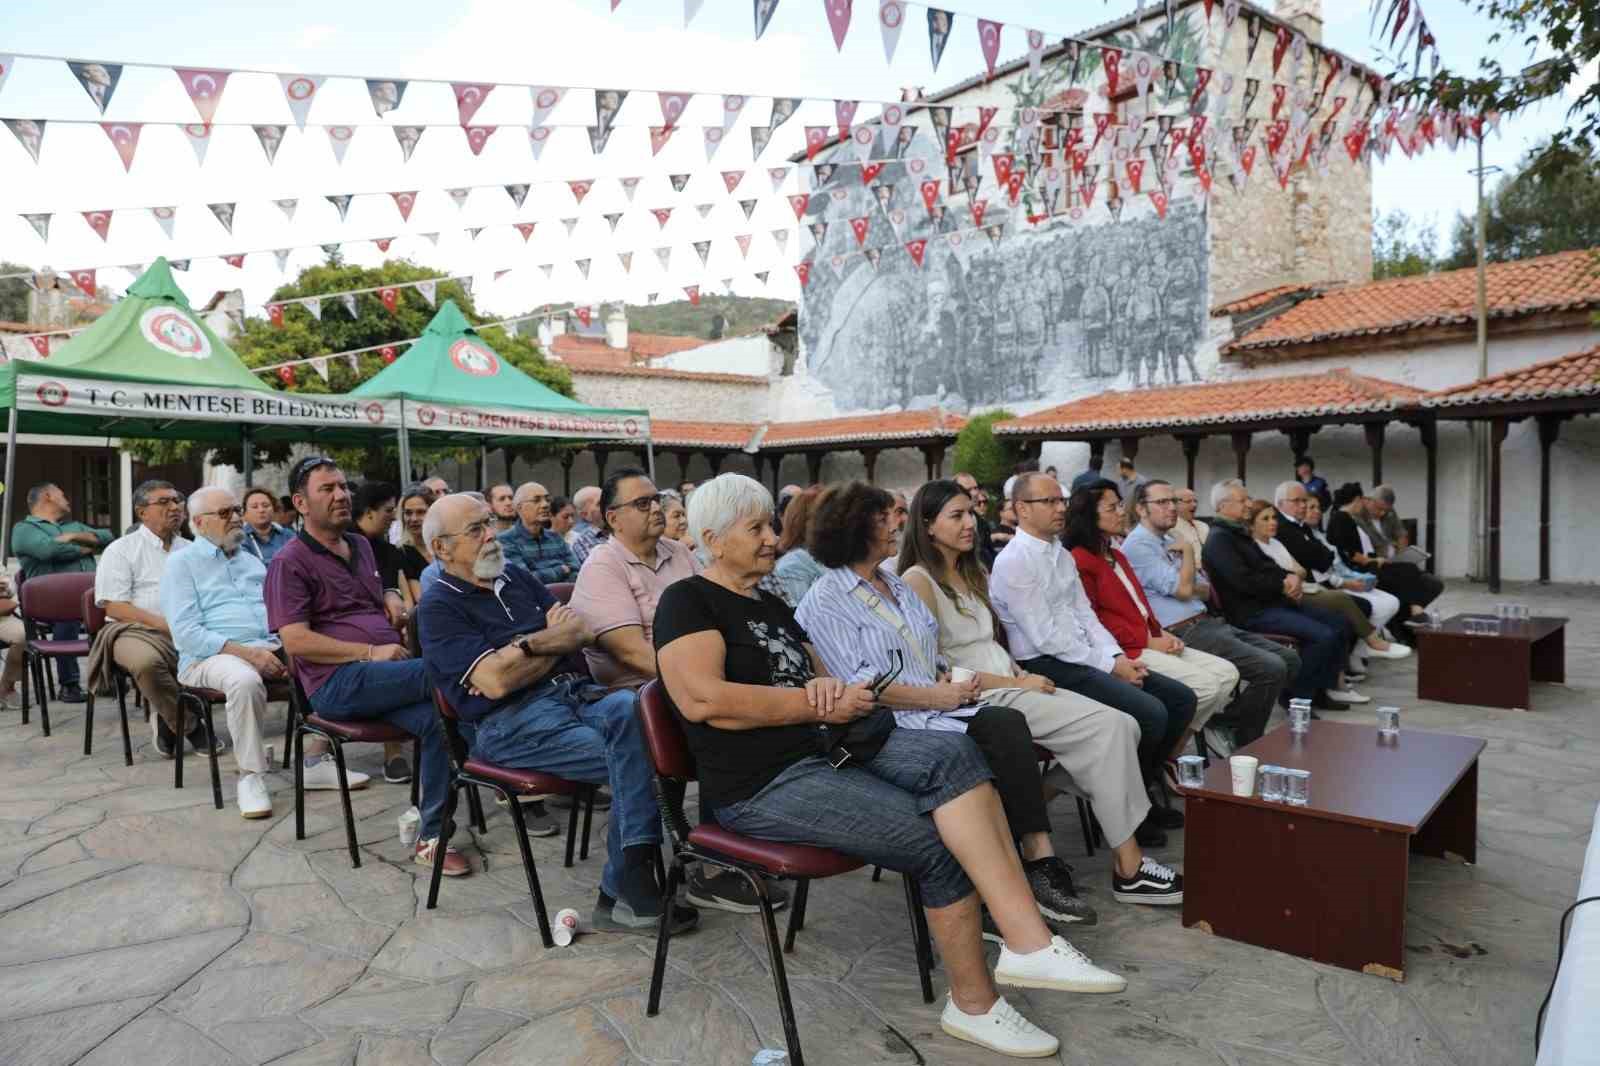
column 246, row 700
column 1384, row 605
column 1212, row 677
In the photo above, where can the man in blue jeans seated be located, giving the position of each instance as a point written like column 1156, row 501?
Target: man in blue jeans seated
column 325, row 602
column 493, row 638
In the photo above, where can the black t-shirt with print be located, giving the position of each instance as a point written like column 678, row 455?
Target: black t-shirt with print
column 765, row 646
column 412, row 564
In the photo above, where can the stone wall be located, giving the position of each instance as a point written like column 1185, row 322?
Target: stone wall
column 677, row 398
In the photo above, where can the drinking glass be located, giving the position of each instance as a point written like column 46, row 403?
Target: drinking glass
column 1191, row 771
column 1272, row 784
column 1524, row 613
column 1299, row 716
column 1297, row 787
column 1388, row 721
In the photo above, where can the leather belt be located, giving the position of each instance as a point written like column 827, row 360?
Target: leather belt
column 1186, row 623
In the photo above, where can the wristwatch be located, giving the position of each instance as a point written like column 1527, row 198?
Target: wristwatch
column 524, row 647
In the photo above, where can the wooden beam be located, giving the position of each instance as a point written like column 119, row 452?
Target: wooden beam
column 934, row 454
column 1430, row 443
column 601, row 456
column 1497, row 437
column 1375, row 442
column 567, row 458
column 1549, row 430
column 715, row 461
column 1191, row 452
column 814, row 467
column 1300, row 440
column 1130, row 447
column 1097, row 455
column 870, row 457
column 1241, row 449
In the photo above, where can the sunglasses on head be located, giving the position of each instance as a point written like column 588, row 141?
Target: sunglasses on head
column 301, row 472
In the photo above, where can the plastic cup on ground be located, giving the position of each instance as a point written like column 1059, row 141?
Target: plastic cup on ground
column 1297, row 787
column 1388, row 721
column 1191, row 771
column 565, row 927
column 410, row 827
column 1243, row 769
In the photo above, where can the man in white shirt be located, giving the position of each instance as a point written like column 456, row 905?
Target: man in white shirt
column 127, row 586
column 1052, row 630
column 1187, row 528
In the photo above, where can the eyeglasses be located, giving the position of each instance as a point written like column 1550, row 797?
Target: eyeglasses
column 471, row 529
column 167, row 501
column 301, row 472
column 1048, row 501
column 224, row 513
column 642, row 504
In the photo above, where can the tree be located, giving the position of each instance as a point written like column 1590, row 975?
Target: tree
column 260, row 343
column 13, row 293
column 1531, row 213
column 983, row 455
column 1402, row 246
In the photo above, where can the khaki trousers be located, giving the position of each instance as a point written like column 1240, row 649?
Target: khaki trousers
column 1213, row 678
column 154, row 677
column 13, row 636
column 246, row 696
column 1341, row 602
column 1095, row 744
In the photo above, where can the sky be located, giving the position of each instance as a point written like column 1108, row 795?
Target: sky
column 643, row 45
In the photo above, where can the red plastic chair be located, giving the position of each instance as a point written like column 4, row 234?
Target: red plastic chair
column 746, row 856
column 46, row 600
column 94, row 619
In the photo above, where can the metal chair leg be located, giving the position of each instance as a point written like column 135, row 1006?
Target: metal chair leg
column 663, row 937
column 122, row 710
column 44, row 701
column 920, row 936
column 290, row 714
column 572, row 832
column 299, row 784
column 29, row 665
column 519, row 828
column 344, row 797
column 88, row 721
column 780, row 978
column 416, row 772
column 1083, row 823
column 439, row 847
column 183, row 737
column 475, row 808
column 211, row 739
column 588, row 817
column 797, row 913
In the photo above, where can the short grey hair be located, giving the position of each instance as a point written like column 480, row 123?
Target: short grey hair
column 1221, row 489
column 1281, row 493
column 1384, row 493
column 585, row 496
column 716, row 505
column 197, row 502
column 141, row 495
column 525, row 490
column 433, row 521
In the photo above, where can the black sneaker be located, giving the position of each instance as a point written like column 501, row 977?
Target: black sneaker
column 162, row 736
column 1050, row 879
column 1152, row 884
column 727, row 891
column 1323, row 703
column 619, row 916
column 397, row 771
column 602, row 800
column 538, row 821
column 70, row 694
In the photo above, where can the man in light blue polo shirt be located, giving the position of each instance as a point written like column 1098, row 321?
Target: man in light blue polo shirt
column 1174, row 583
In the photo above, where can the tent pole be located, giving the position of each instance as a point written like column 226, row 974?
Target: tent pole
column 483, row 468
column 405, row 447
column 650, row 457
column 249, row 465
column 9, row 491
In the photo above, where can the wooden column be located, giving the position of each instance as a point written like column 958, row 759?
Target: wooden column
column 1241, row 449
column 814, row 467
column 683, row 455
column 1430, row 444
column 1375, row 442
column 1300, row 440
column 1549, row 430
column 1497, row 437
column 566, row 459
column 870, row 457
column 1191, row 452
column 601, row 457
column 934, row 455
column 1130, row 447
column 715, row 460
column 1097, row 456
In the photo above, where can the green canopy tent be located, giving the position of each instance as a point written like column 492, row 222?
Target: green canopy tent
column 151, row 363
column 451, row 387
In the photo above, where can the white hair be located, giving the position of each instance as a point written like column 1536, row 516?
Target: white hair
column 1011, row 483
column 433, row 521
column 1221, row 490
column 1281, row 493
column 1384, row 493
column 585, row 496
column 197, row 500
column 716, row 505
column 526, row 491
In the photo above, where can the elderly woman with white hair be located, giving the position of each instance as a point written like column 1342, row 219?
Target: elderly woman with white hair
column 787, row 753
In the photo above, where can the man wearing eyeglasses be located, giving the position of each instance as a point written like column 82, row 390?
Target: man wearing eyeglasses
column 325, row 601
column 127, row 586
column 529, row 542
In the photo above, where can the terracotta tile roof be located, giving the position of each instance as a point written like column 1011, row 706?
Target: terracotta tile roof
column 1565, row 281
column 1255, row 399
column 1246, row 304
column 583, row 365
column 1577, row 374
column 641, row 347
column 900, row 425
column 702, row 434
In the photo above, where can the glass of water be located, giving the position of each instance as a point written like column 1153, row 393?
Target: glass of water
column 1388, row 721
column 1299, row 716
column 1297, row 787
column 1191, row 771
column 1272, row 784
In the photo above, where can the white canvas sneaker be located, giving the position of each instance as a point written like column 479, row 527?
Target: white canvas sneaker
column 1348, row 695
column 322, row 773
column 253, row 799
column 1000, row 1028
column 1059, row 966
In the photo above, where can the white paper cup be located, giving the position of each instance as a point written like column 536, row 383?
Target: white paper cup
column 565, row 927
column 960, row 675
column 410, row 827
column 1243, row 768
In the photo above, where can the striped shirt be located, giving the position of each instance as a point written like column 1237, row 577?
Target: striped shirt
column 582, row 540
column 857, row 643
column 544, row 554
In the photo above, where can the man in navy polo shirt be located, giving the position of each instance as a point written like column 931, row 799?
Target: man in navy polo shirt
column 492, row 638
column 325, row 602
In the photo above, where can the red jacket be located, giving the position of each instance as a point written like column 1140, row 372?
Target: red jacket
column 1112, row 604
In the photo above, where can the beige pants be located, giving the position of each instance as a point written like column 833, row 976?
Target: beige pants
column 1212, row 677
column 158, row 683
column 1097, row 745
column 13, row 636
column 246, row 696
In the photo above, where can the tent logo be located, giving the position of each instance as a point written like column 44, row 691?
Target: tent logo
column 474, row 359
column 630, row 426
column 426, row 415
column 53, row 394
column 374, row 413
column 173, row 331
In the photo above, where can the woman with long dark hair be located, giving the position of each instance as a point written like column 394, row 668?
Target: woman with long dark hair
column 1095, row 744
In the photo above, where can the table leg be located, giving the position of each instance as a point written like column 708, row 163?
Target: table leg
column 1550, row 657
column 1452, row 830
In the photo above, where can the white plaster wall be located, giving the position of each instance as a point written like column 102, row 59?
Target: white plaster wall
column 735, row 355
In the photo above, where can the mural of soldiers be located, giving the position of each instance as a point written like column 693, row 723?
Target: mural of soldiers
column 1183, row 311
column 1122, row 341
column 1094, row 310
column 1145, row 329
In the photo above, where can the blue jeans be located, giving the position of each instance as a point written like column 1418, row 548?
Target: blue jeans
column 597, row 742
column 879, row 811
column 1325, row 642
column 1162, row 707
column 66, row 665
column 398, row 693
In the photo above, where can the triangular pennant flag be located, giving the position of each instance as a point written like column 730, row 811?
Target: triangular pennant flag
column 178, row 264
column 764, row 10
column 390, row 297
column 271, row 138
column 583, row 268
column 749, row 208
column 355, row 361
column 431, row 238
column 607, row 102
column 664, row 257
column 470, row 96
column 819, row 232
column 204, row 88
column 780, row 237
column 236, row 260
column 473, row 231
column 199, row 138
column 704, row 209
column 702, row 249
column 405, row 201
column 321, row 367
column 844, row 113
column 798, row 201
column 546, row 268
column 1202, row 79
column 459, row 196
column 427, row 290
column 341, row 203
column 1111, row 60
column 613, row 218
column 1280, row 45
column 659, row 136
column 1144, row 71
column 524, row 228
column 939, row 23
column 838, row 262
column 6, row 63
column 672, row 105
column 859, row 227
column 891, row 20
column 282, row 256
column 761, row 276
column 1252, row 35
column 629, row 187
column 803, row 270
column 571, row 224
column 580, row 189
column 816, row 140
column 224, row 213
column 783, row 109
column 537, row 136
column 693, row 292
column 300, row 91
column 30, row 134
column 760, row 137
column 545, row 99
column 349, row 301
column 864, row 137
column 518, row 193
column 626, row 259
column 978, row 207
column 662, row 214
column 870, row 172
column 287, row 207
column 743, row 241
column 339, row 138
column 478, row 136
column 41, row 221
column 84, row 280
column 313, row 306
column 930, row 194
column 989, row 42
column 1035, row 51
column 41, row 342
column 408, row 136
column 99, row 80
column 679, row 181
column 839, row 12
column 385, row 95
column 732, row 104
column 778, row 175
column 732, row 178
column 713, row 140
column 125, row 138
column 918, row 248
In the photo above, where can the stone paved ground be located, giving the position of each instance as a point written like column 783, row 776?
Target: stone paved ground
column 138, row 925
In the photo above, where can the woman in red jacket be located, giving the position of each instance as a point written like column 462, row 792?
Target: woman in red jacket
column 1094, row 516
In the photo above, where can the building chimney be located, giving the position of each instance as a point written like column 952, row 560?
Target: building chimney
column 617, row 329
column 1303, row 15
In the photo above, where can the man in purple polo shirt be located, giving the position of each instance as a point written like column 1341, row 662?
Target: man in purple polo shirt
column 325, row 602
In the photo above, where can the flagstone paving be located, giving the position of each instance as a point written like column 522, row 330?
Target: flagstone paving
column 140, row 925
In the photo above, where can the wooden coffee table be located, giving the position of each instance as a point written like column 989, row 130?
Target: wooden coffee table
column 1490, row 670
column 1328, row 881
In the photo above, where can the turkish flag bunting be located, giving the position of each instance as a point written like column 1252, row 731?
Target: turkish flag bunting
column 816, row 140
column 204, row 88
column 1087, row 189
column 383, row 243
column 989, row 41
column 286, row 375
column 838, row 19
column 469, row 97
column 930, row 193
column 1100, row 124
column 662, row 214
column 870, row 172
column 583, row 314
column 1014, row 185
column 691, row 291
column 985, row 116
column 918, row 248
column 1354, row 141
column 1135, row 172
column 1198, row 129
column 125, row 139
column 388, row 354
column 1002, row 166
column 1204, row 174
column 275, row 315
column 41, row 344
column 405, row 201
column 952, row 141
column 859, row 227
column 235, row 261
column 798, row 201
column 1159, row 198
column 732, row 178
column 390, row 297
column 978, row 208
column 1111, row 58
column 1280, row 45
column 672, row 105
column 84, row 279
column 844, row 113
column 1202, row 78
column 1079, row 159
column 99, row 221
column 659, row 136
column 580, row 189
column 478, row 136
column 743, row 240
column 1247, row 159
column 526, row 229
column 804, row 271
column 1278, row 94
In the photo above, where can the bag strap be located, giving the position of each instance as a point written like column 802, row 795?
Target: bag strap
column 875, row 604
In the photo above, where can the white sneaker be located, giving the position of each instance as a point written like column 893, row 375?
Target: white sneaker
column 1348, row 695
column 1393, row 651
column 1000, row 1028
column 1059, row 966
column 10, row 701
column 253, row 799
column 322, row 773
column 1357, row 663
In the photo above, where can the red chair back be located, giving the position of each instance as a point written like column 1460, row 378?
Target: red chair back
column 561, row 590
column 51, row 598
column 664, row 739
column 94, row 616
